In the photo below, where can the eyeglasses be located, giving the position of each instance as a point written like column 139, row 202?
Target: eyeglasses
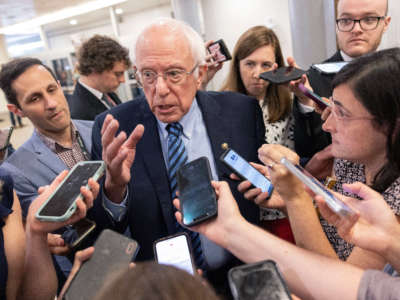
column 339, row 113
column 172, row 76
column 367, row 23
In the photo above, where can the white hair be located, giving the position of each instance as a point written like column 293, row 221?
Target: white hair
column 195, row 41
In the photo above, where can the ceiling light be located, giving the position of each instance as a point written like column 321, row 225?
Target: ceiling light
column 119, row 11
column 66, row 13
column 73, row 22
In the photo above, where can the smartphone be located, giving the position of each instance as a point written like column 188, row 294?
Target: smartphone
column 5, row 136
column 260, row 280
column 77, row 232
column 196, row 195
column 246, row 171
column 219, row 51
column 329, row 68
column 336, row 205
column 175, row 250
column 322, row 103
column 112, row 252
column 61, row 204
column 282, row 75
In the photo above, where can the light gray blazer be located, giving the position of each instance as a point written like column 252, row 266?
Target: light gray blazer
column 34, row 165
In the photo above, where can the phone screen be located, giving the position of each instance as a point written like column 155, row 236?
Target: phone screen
column 67, row 193
column 197, row 196
column 219, row 51
column 78, row 231
column 330, row 68
column 258, row 281
column 240, row 166
column 175, row 251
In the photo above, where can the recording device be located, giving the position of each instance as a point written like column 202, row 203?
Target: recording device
column 329, row 68
column 246, row 171
column 282, row 75
column 77, row 232
column 175, row 250
column 322, row 103
column 260, row 280
column 61, row 204
column 197, row 196
column 112, row 253
column 5, row 136
column 219, row 51
column 336, row 205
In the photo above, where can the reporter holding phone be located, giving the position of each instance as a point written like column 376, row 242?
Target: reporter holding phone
column 311, row 275
column 25, row 253
column 364, row 123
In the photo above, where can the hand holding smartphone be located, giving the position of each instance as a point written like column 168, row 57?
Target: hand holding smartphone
column 219, row 51
column 175, row 250
column 196, row 194
column 260, row 280
column 245, row 171
column 61, row 204
column 335, row 204
column 322, row 103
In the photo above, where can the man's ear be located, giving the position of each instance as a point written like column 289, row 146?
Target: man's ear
column 14, row 109
column 202, row 75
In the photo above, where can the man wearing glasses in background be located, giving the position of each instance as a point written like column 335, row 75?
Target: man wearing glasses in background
column 360, row 25
column 140, row 181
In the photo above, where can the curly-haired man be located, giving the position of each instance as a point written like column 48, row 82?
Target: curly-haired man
column 102, row 62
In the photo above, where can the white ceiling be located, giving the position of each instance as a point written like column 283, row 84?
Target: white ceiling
column 15, row 11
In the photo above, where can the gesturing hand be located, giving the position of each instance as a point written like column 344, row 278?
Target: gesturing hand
column 118, row 154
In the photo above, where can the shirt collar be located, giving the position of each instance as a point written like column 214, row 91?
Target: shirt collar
column 95, row 92
column 346, row 57
column 188, row 122
column 51, row 144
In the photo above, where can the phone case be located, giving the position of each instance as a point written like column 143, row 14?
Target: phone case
column 113, row 252
column 72, row 208
column 189, row 243
column 180, row 180
column 282, row 75
column 5, row 140
column 223, row 50
column 261, row 280
column 334, row 203
column 221, row 158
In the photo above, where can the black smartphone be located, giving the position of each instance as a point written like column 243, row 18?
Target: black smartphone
column 77, row 232
column 175, row 250
column 313, row 96
column 260, row 280
column 5, row 136
column 282, row 75
column 246, row 171
column 219, row 51
column 61, row 204
column 112, row 252
column 196, row 195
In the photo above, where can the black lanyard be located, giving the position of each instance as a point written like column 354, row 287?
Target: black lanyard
column 82, row 146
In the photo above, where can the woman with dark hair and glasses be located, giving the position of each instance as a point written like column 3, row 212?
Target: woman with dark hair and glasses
column 364, row 123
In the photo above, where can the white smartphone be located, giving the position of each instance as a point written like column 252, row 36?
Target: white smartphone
column 246, row 171
column 5, row 135
column 175, row 250
column 336, row 205
column 329, row 68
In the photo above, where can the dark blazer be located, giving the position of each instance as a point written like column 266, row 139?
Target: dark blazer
column 308, row 133
column 86, row 106
column 230, row 118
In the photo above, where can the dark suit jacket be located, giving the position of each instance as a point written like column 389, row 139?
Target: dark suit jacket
column 86, row 106
column 308, row 133
column 229, row 118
